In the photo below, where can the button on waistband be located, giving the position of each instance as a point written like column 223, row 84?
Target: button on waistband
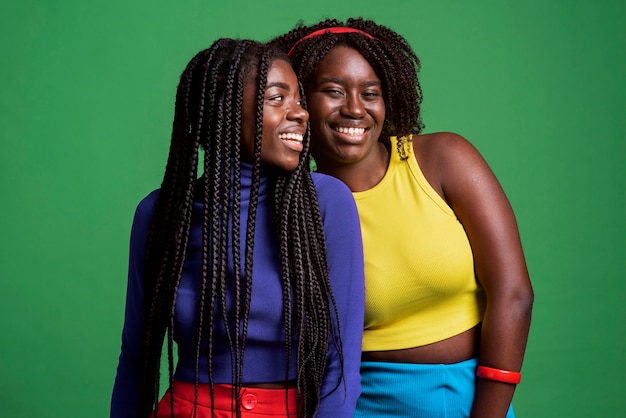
column 248, row 401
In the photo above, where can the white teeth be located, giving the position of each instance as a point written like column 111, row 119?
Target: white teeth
column 291, row 136
column 351, row 131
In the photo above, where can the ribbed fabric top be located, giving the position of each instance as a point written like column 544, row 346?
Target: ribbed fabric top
column 419, row 270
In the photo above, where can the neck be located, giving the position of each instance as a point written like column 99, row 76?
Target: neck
column 360, row 175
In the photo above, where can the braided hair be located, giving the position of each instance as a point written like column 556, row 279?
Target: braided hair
column 389, row 54
column 208, row 116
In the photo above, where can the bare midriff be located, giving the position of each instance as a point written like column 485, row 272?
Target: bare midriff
column 455, row 349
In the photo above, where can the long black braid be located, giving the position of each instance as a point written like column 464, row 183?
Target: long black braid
column 389, row 54
column 208, row 116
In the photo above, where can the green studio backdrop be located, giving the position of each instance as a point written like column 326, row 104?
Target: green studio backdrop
column 86, row 109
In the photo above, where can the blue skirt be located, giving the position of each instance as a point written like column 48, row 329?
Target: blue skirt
column 402, row 390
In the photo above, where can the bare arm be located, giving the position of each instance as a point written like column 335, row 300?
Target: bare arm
column 459, row 173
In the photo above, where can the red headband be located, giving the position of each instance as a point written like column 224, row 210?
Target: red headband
column 328, row 30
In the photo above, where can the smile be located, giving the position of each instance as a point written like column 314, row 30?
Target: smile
column 291, row 137
column 351, row 131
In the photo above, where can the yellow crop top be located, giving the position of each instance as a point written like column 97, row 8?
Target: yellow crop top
column 419, row 269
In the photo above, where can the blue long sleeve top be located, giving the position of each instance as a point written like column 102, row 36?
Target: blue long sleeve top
column 264, row 358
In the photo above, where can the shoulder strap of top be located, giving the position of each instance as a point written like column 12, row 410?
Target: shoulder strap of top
column 403, row 146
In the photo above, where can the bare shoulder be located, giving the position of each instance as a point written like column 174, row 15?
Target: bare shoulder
column 442, row 156
column 442, row 145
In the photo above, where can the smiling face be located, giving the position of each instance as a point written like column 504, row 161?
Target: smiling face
column 345, row 100
column 284, row 119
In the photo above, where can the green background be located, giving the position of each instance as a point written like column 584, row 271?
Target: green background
column 86, row 109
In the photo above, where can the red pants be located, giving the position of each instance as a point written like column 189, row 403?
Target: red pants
column 255, row 402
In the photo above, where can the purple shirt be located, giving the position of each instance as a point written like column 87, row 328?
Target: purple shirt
column 264, row 359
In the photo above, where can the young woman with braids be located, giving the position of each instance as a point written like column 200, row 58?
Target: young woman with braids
column 448, row 296
column 254, row 269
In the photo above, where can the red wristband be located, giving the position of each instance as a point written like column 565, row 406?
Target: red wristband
column 498, row 375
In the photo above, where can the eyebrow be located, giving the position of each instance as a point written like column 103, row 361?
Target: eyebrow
column 341, row 81
column 278, row 84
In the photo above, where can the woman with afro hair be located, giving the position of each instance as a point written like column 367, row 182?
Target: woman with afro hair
column 448, row 295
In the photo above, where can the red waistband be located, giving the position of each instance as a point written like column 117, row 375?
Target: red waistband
column 255, row 400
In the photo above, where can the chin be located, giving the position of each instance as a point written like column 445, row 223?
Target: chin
column 282, row 168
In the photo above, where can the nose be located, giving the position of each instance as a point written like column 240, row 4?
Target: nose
column 298, row 113
column 353, row 107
